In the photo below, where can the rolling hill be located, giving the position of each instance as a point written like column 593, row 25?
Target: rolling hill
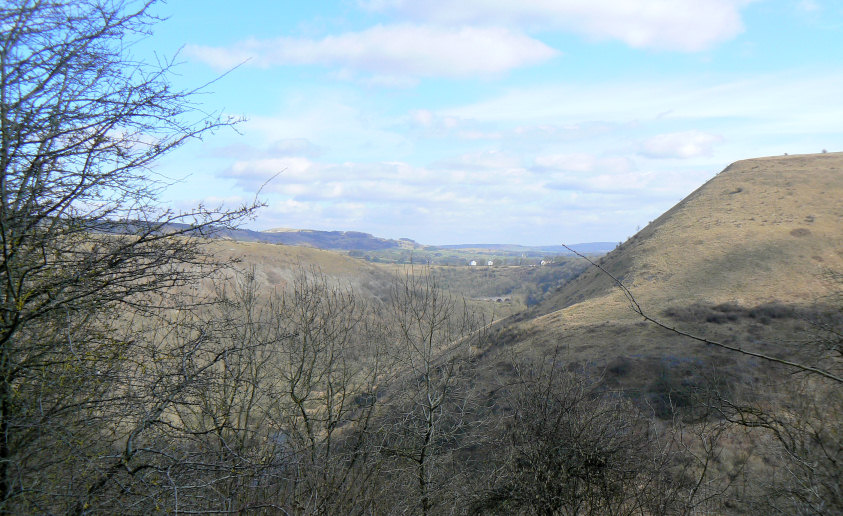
column 584, row 248
column 329, row 240
column 365, row 242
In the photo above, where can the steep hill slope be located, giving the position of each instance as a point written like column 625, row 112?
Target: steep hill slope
column 750, row 250
column 762, row 230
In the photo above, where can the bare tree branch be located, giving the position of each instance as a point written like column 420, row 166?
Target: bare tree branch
column 636, row 307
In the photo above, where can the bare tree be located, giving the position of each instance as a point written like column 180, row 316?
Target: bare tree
column 283, row 421
column 432, row 403
column 569, row 446
column 328, row 367
column 798, row 427
column 85, row 245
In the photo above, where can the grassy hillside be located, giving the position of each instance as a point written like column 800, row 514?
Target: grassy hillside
column 747, row 259
column 275, row 265
column 762, row 230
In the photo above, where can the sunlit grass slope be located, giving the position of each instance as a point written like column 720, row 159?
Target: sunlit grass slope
column 762, row 231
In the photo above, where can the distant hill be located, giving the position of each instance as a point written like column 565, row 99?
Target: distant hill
column 358, row 241
column 585, row 248
column 328, row 240
column 276, row 266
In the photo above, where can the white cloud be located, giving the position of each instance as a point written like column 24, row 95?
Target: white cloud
column 476, row 195
column 434, row 124
column 809, row 5
column 581, row 162
column 683, row 25
column 587, row 173
column 294, row 147
column 251, row 174
column 188, row 205
column 479, row 135
column 601, row 149
column 484, row 160
column 390, row 53
column 685, row 144
column 343, row 127
column 766, row 103
column 422, row 117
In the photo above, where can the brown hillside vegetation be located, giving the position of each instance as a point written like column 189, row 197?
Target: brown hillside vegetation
column 753, row 260
column 762, row 230
column 275, row 265
column 575, row 407
column 763, row 233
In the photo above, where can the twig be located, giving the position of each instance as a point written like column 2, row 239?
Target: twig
column 640, row 311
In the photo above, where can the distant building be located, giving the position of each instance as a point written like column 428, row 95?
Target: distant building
column 472, row 263
column 490, row 263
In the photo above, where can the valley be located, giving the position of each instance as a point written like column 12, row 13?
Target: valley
column 740, row 279
column 694, row 368
column 209, row 303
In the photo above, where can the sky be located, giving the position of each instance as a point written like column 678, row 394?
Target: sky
column 533, row 122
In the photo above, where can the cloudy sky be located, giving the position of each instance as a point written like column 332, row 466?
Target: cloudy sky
column 495, row 121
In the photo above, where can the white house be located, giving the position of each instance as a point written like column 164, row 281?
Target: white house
column 490, row 263
column 472, row 263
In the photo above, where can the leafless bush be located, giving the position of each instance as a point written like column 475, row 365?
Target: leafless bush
column 571, row 447
column 799, row 428
column 283, row 422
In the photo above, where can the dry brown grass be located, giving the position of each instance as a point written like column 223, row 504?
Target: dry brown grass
column 275, row 265
column 763, row 230
column 743, row 260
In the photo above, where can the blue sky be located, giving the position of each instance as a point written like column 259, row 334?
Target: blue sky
column 530, row 122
